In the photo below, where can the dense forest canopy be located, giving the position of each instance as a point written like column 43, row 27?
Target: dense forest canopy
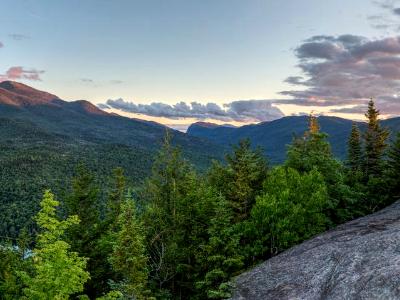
column 178, row 233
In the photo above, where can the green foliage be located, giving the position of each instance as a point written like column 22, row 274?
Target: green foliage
column 392, row 174
column 128, row 257
column 83, row 201
column 219, row 258
column 29, row 167
column 115, row 196
column 355, row 155
column 58, row 272
column 291, row 209
column 167, row 193
column 375, row 142
column 188, row 234
column 312, row 151
column 241, row 179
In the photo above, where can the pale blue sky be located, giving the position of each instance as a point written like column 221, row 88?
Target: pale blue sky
column 170, row 50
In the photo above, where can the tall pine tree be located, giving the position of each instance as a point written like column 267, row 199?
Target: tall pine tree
column 375, row 142
column 354, row 150
column 167, row 190
column 128, row 257
column 393, row 170
column 83, row 201
column 241, row 179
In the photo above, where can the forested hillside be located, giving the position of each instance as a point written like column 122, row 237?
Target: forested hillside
column 185, row 234
column 43, row 138
column 274, row 136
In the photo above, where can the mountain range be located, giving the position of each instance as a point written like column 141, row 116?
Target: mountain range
column 273, row 137
column 43, row 138
column 81, row 121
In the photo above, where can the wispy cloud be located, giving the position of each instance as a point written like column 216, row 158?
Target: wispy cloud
column 18, row 36
column 241, row 111
column 388, row 18
column 17, row 72
column 1, row 45
column 115, row 81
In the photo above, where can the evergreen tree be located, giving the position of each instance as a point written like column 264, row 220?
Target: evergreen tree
column 109, row 226
column 167, row 191
column 115, row 196
column 128, row 257
column 313, row 151
column 220, row 257
column 354, row 156
column 392, row 174
column 241, row 179
column 58, row 272
column 375, row 142
column 84, row 237
column 313, row 125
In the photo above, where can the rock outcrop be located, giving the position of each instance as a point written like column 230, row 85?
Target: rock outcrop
column 357, row 260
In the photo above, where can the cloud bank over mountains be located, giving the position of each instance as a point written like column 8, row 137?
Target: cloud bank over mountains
column 240, row 111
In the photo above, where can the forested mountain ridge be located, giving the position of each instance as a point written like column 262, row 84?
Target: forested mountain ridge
column 274, row 136
column 181, row 234
column 43, row 138
column 83, row 120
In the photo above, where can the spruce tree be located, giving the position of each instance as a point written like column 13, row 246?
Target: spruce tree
column 354, row 151
column 375, row 142
column 393, row 169
column 313, row 125
column 128, row 257
column 58, row 272
column 83, row 201
column 313, row 151
column 166, row 219
column 116, row 196
column 219, row 258
column 241, row 179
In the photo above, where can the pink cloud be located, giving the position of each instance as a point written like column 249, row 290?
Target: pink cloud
column 18, row 72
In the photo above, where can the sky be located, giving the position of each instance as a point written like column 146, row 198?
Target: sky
column 222, row 61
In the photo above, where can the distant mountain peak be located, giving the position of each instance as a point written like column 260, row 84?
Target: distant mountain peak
column 20, row 95
column 31, row 96
column 205, row 124
column 86, row 107
column 211, row 125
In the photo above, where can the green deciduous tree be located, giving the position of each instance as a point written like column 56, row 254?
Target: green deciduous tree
column 291, row 209
column 58, row 272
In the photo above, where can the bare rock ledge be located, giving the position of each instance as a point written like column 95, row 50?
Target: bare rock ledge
column 356, row 260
